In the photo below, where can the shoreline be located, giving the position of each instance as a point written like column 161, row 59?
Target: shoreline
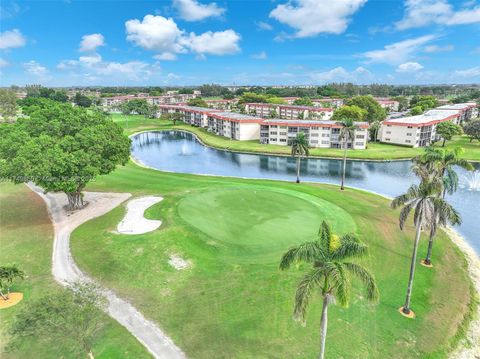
column 467, row 347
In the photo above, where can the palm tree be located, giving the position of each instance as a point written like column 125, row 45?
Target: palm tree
column 8, row 275
column 375, row 127
column 422, row 200
column 331, row 273
column 346, row 135
column 443, row 160
column 299, row 149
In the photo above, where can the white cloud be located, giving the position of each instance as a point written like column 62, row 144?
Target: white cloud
column 90, row 59
column 156, row 33
column 192, row 10
column 359, row 75
column 34, row 68
column 468, row 73
column 436, row 48
column 90, row 42
column 262, row 55
column 215, row 43
column 11, row 39
column 419, row 13
column 3, row 63
column 398, row 52
column 312, row 17
column 166, row 56
column 409, row 67
column 262, row 25
column 160, row 34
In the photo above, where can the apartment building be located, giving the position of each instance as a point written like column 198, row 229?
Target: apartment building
column 235, row 126
column 467, row 110
column 225, row 105
column 328, row 102
column 114, row 103
column 289, row 112
column 416, row 131
column 325, row 134
column 387, row 104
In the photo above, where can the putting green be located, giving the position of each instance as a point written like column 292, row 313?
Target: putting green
column 258, row 222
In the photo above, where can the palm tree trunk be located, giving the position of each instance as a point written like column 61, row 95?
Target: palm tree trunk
column 428, row 258
column 406, row 307
column 90, row 355
column 323, row 326
column 298, row 169
column 344, row 166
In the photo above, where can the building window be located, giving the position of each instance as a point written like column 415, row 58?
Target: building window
column 389, row 132
column 360, row 136
column 409, row 133
column 409, row 126
column 313, row 141
column 325, row 142
column 387, row 139
column 407, row 141
column 358, row 143
column 283, row 133
column 283, row 140
column 314, row 134
column 273, row 133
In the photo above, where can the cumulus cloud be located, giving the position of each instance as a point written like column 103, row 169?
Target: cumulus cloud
column 419, row 13
column 91, row 42
column 34, row 68
column 436, row 48
column 262, row 25
column 11, row 39
column 359, row 75
column 468, row 73
column 262, row 55
column 398, row 52
column 192, row 10
column 3, row 63
column 409, row 67
column 313, row 17
column 157, row 33
column 166, row 56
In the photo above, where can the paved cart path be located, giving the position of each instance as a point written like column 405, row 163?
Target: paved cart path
column 65, row 270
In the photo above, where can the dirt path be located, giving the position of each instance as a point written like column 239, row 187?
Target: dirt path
column 66, row 271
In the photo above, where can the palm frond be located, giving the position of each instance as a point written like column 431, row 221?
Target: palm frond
column 350, row 247
column 339, row 283
column 366, row 278
column 308, row 252
column 309, row 282
column 325, row 235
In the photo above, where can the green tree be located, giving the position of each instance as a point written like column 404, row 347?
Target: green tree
column 421, row 199
column 70, row 316
column 276, row 100
column 417, row 110
column 8, row 104
column 303, row 101
column 61, row 148
column 248, row 97
column 60, row 96
column 472, row 129
column 354, row 112
column 402, row 102
column 8, row 276
column 299, row 150
column 330, row 257
column 373, row 129
column 172, row 116
column 197, row 101
column 82, row 100
column 374, row 111
column 447, row 130
column 347, row 134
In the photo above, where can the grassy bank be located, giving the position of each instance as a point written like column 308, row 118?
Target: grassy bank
column 375, row 151
column 26, row 238
column 233, row 302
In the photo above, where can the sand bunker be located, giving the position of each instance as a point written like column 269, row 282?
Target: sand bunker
column 134, row 222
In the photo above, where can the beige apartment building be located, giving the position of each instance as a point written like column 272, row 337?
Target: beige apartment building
column 324, row 134
column 289, row 112
column 235, row 126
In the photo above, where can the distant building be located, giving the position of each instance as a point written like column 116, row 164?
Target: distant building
column 325, row 134
column 233, row 125
column 289, row 112
column 114, row 103
column 222, row 104
column 467, row 110
column 388, row 104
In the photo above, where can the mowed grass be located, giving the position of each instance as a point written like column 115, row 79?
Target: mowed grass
column 375, row 151
column 234, row 302
column 26, row 238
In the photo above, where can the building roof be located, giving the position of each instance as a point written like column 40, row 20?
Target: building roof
column 309, row 123
column 457, row 106
column 235, row 117
column 294, row 107
column 428, row 118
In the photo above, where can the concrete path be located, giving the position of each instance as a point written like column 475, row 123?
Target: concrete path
column 65, row 270
column 134, row 222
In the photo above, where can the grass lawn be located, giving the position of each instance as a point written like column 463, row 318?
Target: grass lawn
column 26, row 238
column 375, row 151
column 234, row 302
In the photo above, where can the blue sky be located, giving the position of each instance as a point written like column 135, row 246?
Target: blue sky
column 190, row 42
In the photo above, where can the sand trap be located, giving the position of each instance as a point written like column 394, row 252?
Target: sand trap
column 134, row 222
column 178, row 262
column 13, row 298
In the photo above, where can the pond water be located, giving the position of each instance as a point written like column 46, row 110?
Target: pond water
column 181, row 152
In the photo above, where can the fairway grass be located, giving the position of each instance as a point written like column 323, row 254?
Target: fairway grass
column 376, row 151
column 26, row 238
column 234, row 302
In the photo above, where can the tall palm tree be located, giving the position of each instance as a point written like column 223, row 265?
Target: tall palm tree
column 421, row 199
column 443, row 160
column 300, row 149
column 331, row 273
column 375, row 127
column 347, row 133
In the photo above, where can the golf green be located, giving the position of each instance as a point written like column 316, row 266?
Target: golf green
column 258, row 223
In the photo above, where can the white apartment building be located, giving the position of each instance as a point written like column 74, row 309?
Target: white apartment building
column 221, row 104
column 328, row 102
column 289, row 112
column 113, row 103
column 467, row 110
column 325, row 134
column 235, row 126
column 416, row 131
column 387, row 104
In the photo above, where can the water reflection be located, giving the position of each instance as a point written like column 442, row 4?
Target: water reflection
column 181, row 152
